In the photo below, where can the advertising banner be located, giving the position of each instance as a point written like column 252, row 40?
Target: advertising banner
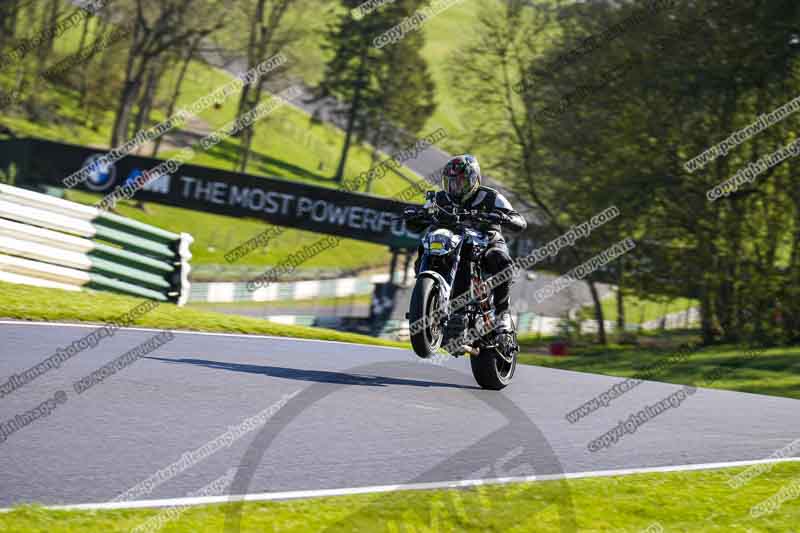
column 274, row 200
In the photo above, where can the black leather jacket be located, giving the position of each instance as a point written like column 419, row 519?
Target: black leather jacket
column 485, row 200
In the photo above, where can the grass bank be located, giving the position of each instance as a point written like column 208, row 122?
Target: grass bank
column 691, row 501
column 638, row 310
column 34, row 303
column 775, row 371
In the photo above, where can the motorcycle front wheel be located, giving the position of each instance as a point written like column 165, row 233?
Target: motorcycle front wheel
column 425, row 301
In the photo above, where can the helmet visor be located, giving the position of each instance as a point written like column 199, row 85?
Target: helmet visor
column 457, row 186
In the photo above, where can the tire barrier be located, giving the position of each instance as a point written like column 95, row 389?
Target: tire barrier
column 51, row 242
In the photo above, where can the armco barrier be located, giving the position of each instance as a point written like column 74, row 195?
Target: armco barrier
column 50, row 242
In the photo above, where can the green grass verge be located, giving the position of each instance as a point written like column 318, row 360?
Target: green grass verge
column 638, row 310
column 775, row 372
column 691, row 501
column 35, row 303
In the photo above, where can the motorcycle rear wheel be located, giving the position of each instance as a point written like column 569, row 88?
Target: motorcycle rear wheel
column 491, row 369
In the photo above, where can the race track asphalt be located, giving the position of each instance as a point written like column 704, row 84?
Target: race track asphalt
column 359, row 416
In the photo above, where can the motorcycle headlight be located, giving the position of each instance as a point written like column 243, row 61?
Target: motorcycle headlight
column 436, row 246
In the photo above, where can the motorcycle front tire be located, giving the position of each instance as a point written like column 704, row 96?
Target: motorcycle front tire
column 424, row 302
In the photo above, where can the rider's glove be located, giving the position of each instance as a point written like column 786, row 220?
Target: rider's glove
column 497, row 218
column 444, row 218
column 410, row 212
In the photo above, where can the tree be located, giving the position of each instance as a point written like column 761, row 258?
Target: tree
column 189, row 52
column 378, row 86
column 9, row 12
column 160, row 27
column 697, row 82
column 615, row 123
column 401, row 79
column 507, row 129
column 265, row 39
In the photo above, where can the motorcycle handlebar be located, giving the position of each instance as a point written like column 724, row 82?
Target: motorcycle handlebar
column 457, row 214
column 473, row 215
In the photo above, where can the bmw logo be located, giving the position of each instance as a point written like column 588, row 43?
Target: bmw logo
column 102, row 175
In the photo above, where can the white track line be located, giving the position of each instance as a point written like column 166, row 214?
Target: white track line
column 189, row 332
column 291, row 495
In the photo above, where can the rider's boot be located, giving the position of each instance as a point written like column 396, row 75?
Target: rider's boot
column 503, row 321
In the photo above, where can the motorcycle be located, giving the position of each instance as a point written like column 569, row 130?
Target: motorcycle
column 464, row 325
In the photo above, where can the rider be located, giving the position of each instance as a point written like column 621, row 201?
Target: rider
column 461, row 184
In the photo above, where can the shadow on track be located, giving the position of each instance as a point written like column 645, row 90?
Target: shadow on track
column 316, row 376
column 517, row 448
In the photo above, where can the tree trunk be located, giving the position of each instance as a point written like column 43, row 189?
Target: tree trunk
column 244, row 145
column 262, row 33
column 102, row 25
column 347, row 138
column 83, row 81
column 146, row 102
column 376, row 140
column 706, row 317
column 176, row 93
column 351, row 116
column 145, row 105
column 256, row 49
column 54, row 12
column 598, row 313
column 248, row 133
column 127, row 99
column 8, row 22
column 45, row 46
column 129, row 93
column 252, row 44
column 620, row 300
